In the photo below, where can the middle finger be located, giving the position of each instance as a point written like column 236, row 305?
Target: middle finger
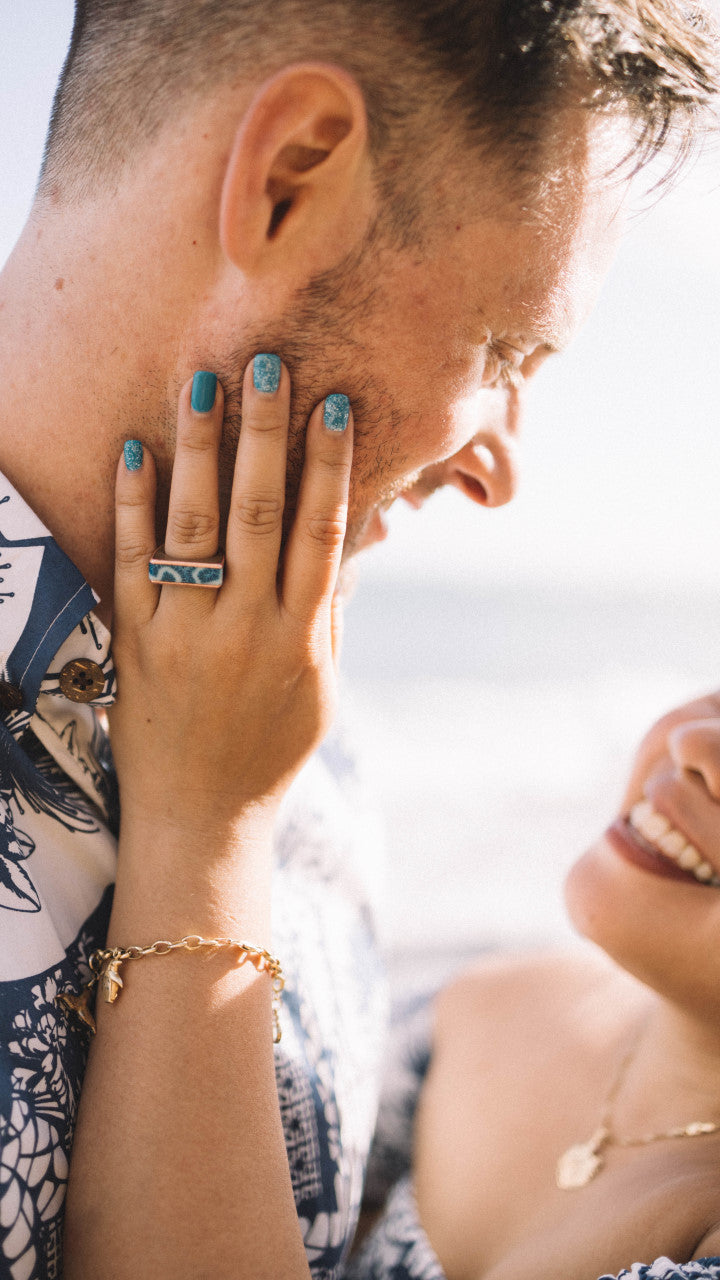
column 254, row 532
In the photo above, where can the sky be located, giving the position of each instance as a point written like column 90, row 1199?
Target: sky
column 621, row 455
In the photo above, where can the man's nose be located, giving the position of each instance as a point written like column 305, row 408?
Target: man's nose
column 486, row 468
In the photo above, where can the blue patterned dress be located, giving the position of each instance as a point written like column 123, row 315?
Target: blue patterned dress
column 58, row 824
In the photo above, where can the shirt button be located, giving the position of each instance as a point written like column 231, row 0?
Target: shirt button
column 82, row 680
column 11, row 698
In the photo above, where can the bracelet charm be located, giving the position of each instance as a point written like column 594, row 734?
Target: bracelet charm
column 111, row 981
column 105, row 966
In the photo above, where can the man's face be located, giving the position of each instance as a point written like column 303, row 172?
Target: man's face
column 434, row 345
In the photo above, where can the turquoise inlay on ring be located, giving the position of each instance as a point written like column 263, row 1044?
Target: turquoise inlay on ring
column 204, row 386
column 266, row 373
column 186, row 573
column 336, row 412
column 190, row 575
column 133, row 452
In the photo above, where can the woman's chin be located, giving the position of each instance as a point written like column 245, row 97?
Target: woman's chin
column 611, row 883
column 588, row 894
column 652, row 924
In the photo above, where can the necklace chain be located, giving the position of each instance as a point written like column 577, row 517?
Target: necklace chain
column 582, row 1162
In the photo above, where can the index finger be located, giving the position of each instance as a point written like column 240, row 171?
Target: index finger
column 314, row 549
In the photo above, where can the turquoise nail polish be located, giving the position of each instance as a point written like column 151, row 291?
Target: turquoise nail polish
column 133, row 451
column 203, row 391
column 337, row 412
column 266, row 373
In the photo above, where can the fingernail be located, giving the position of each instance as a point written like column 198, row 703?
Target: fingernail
column 133, row 452
column 337, row 412
column 204, row 386
column 266, row 373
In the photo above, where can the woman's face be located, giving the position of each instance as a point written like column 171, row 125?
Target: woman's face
column 648, row 891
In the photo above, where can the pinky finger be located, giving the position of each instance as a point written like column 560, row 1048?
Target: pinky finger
column 135, row 596
column 314, row 548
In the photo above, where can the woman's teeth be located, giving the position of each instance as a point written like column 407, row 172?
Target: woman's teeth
column 657, row 831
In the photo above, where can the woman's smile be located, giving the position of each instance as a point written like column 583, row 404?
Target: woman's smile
column 647, row 838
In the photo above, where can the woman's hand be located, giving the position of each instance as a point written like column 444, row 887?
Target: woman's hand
column 179, row 1159
column 222, row 694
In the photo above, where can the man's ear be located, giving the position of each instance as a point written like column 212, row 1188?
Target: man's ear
column 298, row 191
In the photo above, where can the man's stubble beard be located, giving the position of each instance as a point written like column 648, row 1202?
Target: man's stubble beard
column 321, row 341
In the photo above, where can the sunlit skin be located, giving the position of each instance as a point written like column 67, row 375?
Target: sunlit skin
column 196, row 255
column 525, row 1052
column 120, row 298
column 456, row 332
column 644, row 920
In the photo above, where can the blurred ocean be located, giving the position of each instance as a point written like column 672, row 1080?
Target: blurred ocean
column 497, row 728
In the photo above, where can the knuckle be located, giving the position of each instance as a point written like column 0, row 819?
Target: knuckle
column 336, row 468
column 191, row 527
column 266, row 420
column 259, row 514
column 199, row 435
column 326, row 532
column 130, row 551
column 130, row 501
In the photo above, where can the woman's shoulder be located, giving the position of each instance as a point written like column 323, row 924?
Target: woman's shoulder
column 555, row 991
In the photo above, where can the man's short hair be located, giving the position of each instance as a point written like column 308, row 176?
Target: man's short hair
column 494, row 70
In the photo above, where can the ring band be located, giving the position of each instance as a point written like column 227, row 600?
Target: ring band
column 186, row 573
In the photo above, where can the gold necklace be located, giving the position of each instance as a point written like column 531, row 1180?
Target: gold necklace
column 584, row 1160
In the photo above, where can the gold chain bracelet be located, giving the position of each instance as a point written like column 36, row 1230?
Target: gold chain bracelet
column 105, row 966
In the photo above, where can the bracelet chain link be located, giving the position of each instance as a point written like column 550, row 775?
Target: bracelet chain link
column 105, row 967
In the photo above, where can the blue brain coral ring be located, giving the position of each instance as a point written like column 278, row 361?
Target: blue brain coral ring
column 186, row 573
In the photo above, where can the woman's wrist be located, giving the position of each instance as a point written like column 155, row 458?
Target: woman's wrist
column 172, row 881
column 198, row 836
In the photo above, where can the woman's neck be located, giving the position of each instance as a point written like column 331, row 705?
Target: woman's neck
column 673, row 1076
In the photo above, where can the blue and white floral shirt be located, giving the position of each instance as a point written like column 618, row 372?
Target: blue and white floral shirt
column 58, row 823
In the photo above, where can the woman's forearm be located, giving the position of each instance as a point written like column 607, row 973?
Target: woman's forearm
column 179, row 1166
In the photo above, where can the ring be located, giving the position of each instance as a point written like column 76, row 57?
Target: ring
column 186, row 573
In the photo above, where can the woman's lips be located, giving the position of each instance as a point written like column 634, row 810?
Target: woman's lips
column 630, row 845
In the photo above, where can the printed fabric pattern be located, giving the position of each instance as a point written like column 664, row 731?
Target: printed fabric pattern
column 398, row 1249
column 664, row 1269
column 407, row 1058
column 58, row 825
column 42, row 1070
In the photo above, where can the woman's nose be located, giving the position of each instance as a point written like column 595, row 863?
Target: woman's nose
column 695, row 747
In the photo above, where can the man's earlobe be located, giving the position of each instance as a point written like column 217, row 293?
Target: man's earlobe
column 298, row 186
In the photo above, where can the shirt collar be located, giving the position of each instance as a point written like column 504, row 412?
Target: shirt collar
column 46, row 618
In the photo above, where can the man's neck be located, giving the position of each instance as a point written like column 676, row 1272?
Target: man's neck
column 90, row 355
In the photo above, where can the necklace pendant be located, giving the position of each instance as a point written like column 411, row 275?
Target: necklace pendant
column 581, row 1162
